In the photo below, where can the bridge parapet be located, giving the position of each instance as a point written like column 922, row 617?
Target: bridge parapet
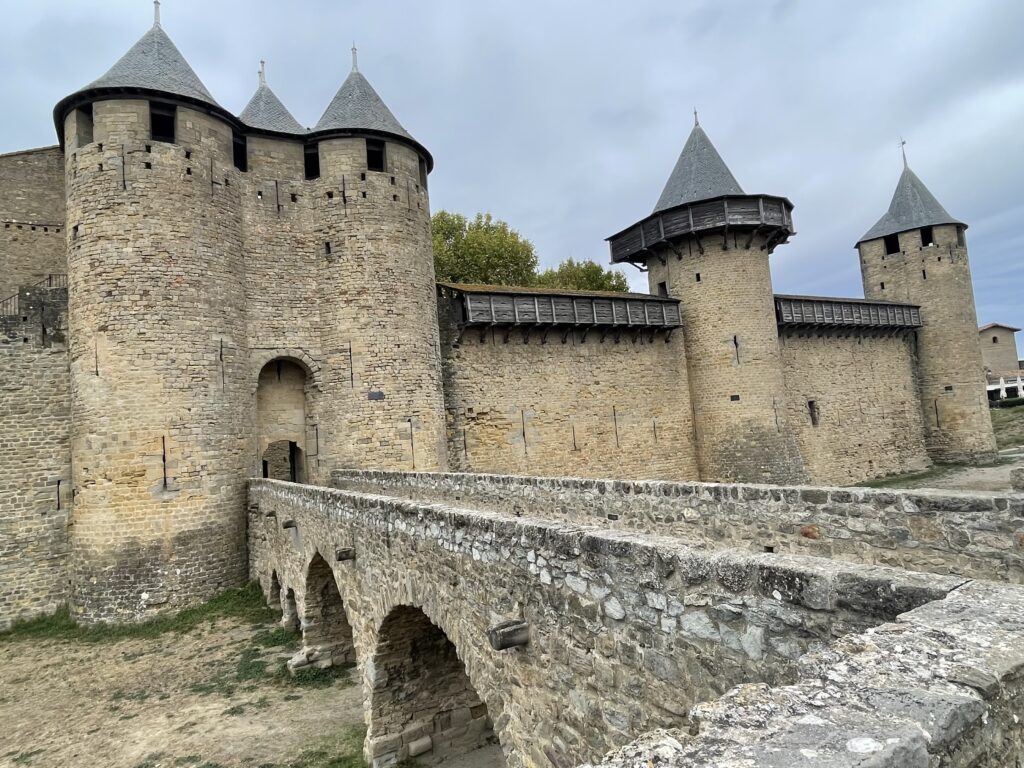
column 627, row 630
column 974, row 534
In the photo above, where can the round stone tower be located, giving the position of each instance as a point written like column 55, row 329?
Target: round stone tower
column 161, row 416
column 379, row 305
column 707, row 243
column 917, row 253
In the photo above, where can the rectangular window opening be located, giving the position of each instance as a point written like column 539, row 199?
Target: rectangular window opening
column 327, row 248
column 663, row 288
column 734, row 398
column 892, row 244
column 927, row 236
column 83, row 125
column 312, row 156
column 924, row 274
column 148, row 166
column 161, row 122
column 295, row 198
column 882, row 285
column 149, row 148
column 948, row 388
column 392, row 181
column 376, row 158
column 698, row 276
column 812, row 409
column 995, row 339
column 241, row 151
column 330, row 195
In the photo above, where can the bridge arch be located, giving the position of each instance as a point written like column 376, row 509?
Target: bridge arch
column 422, row 703
column 326, row 632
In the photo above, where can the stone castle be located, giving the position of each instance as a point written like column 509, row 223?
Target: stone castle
column 200, row 298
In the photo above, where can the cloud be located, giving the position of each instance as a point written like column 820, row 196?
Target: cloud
column 566, row 118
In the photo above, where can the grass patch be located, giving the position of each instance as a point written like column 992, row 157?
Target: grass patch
column 318, row 678
column 344, row 752
column 932, row 473
column 1008, row 424
column 244, row 603
column 271, row 638
column 26, row 758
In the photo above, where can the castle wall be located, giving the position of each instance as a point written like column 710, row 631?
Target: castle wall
column 580, row 408
column 866, row 399
column 35, row 457
column 732, row 353
column 952, row 380
column 162, row 400
column 382, row 369
column 31, row 218
column 999, row 356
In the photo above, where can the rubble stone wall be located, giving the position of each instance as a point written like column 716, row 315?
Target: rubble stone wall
column 626, row 631
column 976, row 535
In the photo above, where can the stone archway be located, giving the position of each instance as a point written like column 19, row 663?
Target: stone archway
column 326, row 632
column 282, row 414
column 422, row 703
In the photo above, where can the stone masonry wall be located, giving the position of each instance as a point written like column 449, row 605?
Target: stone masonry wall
column 626, row 630
column 952, row 380
column 941, row 686
column 35, row 457
column 866, row 403
column 979, row 535
column 579, row 407
column 732, row 356
column 31, row 218
column 1001, row 356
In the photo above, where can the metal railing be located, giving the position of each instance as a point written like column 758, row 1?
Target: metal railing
column 11, row 307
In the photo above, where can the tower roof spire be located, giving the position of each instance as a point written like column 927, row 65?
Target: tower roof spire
column 355, row 57
column 912, row 206
column 903, row 149
column 699, row 173
column 266, row 111
column 156, row 13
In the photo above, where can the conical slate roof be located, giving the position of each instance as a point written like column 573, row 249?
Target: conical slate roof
column 357, row 106
column 266, row 111
column 155, row 63
column 700, row 173
column 912, row 207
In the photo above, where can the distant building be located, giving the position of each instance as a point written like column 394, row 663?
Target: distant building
column 1002, row 365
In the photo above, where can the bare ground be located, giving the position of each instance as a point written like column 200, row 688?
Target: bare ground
column 196, row 699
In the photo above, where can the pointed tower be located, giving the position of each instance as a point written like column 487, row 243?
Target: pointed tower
column 917, row 253
column 158, row 350
column 707, row 243
column 266, row 112
column 379, row 303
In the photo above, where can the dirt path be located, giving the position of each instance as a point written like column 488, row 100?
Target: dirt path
column 992, row 478
column 210, row 698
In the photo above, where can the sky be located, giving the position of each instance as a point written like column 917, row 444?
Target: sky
column 566, row 118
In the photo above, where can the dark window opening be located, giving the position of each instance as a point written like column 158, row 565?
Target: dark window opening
column 698, row 276
column 188, row 154
column 663, row 289
column 188, row 171
column 734, row 398
column 327, row 248
column 949, row 387
column 100, row 167
column 927, row 236
column 423, row 173
column 362, row 177
column 83, row 125
column 295, row 198
column 924, row 274
column 149, row 147
column 161, row 122
column 364, row 195
column 995, row 339
column 241, row 149
column 392, row 181
column 312, row 162
column 330, row 195
column 266, row 468
column 812, row 409
column 148, row 166
column 395, row 198
column 882, row 286
column 769, row 549
column 375, row 155
column 101, row 146
column 892, row 244
column 259, row 194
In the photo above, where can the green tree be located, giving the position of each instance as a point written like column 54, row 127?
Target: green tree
column 582, row 276
column 490, row 252
column 481, row 251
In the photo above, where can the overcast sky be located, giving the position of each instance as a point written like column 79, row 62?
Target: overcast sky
column 565, row 118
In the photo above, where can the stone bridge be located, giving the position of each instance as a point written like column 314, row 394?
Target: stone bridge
column 564, row 640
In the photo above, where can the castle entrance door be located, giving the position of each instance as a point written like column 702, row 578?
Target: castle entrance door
column 281, row 410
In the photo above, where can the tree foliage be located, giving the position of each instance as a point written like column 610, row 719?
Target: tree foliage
column 582, row 276
column 481, row 251
column 488, row 251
